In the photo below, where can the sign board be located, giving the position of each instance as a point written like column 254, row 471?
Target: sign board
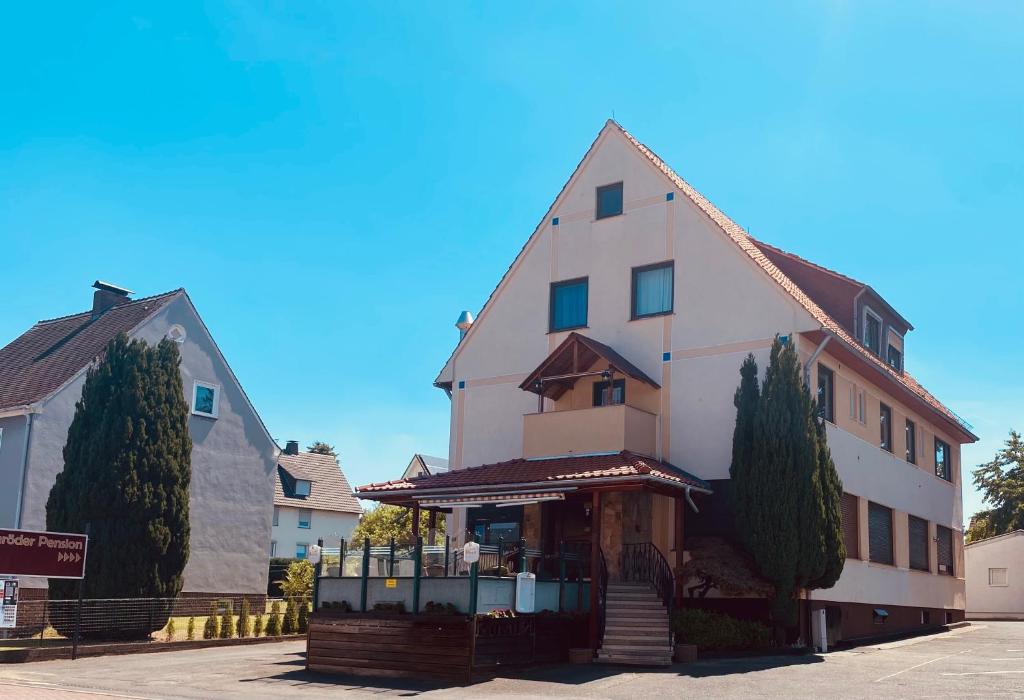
column 390, row 583
column 50, row 554
column 9, row 603
column 526, row 592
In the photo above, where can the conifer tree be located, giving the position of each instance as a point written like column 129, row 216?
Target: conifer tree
column 127, row 468
column 243, row 619
column 742, row 470
column 786, row 491
column 274, row 621
column 227, row 622
column 303, row 614
column 257, row 625
column 190, row 633
column 210, row 630
column 291, row 618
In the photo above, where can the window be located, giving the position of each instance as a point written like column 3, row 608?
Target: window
column 602, row 397
column 609, row 200
column 851, row 525
column 872, row 331
column 652, row 289
column 926, row 617
column 998, row 577
column 857, row 405
column 895, row 358
column 879, row 534
column 568, row 305
column 949, row 617
column 302, row 487
column 205, row 398
column 911, row 442
column 942, row 465
column 826, row 394
column 277, row 515
column 305, row 518
column 944, row 550
column 917, row 531
column 273, row 547
column 885, row 427
column 880, row 616
column 300, row 551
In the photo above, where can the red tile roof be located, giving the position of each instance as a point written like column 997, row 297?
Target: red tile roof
column 554, row 470
column 47, row 355
column 329, row 490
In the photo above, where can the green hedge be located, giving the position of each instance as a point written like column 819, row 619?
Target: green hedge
column 715, row 631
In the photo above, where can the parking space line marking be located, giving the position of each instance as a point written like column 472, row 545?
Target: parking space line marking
column 980, row 673
column 1012, row 658
column 921, row 664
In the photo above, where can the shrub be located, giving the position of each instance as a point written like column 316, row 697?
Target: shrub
column 303, row 620
column 274, row 622
column 243, row 619
column 291, row 618
column 190, row 633
column 396, row 607
column 432, row 608
column 169, row 630
column 716, row 631
column 257, row 625
column 210, row 629
column 227, row 622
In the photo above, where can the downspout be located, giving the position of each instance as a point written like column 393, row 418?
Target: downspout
column 24, row 470
column 690, row 501
column 814, row 358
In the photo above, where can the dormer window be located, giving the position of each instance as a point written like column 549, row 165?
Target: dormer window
column 302, row 487
column 872, row 331
column 609, row 200
column 895, row 358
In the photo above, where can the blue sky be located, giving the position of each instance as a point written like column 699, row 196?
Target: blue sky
column 333, row 183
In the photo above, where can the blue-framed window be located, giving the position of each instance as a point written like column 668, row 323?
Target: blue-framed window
column 652, row 289
column 568, row 305
column 609, row 200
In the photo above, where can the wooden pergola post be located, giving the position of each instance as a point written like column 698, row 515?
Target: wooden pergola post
column 415, row 521
column 431, row 527
column 595, row 567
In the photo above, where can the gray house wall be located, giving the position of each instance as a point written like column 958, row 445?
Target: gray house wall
column 234, row 463
column 12, row 456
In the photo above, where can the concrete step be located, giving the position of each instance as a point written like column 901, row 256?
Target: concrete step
column 633, row 660
column 638, row 649
column 635, row 600
column 647, row 640
column 636, row 613
column 655, row 631
column 635, row 604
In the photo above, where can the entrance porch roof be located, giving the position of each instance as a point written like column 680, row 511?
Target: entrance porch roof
column 537, row 476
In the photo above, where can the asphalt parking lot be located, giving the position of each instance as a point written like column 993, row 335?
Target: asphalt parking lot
column 982, row 660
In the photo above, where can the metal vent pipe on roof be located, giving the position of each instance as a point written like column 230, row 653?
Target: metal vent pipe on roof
column 463, row 324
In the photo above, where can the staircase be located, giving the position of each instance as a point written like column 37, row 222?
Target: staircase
column 636, row 628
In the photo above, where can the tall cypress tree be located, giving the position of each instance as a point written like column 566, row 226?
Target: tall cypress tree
column 127, row 469
column 746, row 399
column 787, row 495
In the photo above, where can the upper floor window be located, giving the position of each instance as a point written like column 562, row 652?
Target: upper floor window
column 885, row 427
column 911, row 442
column 205, row 399
column 610, row 394
column 652, row 289
column 273, row 547
column 943, row 468
column 302, row 487
column 305, row 518
column 879, row 533
column 895, row 358
column 609, row 200
column 277, row 515
column 568, row 305
column 872, row 331
column 826, row 394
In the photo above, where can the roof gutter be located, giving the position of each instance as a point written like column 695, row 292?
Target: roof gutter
column 570, row 485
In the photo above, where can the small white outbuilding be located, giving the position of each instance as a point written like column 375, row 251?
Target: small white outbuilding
column 995, row 577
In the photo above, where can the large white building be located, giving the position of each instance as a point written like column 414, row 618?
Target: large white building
column 312, row 500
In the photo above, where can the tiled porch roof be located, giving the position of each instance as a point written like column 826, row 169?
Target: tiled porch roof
column 553, row 471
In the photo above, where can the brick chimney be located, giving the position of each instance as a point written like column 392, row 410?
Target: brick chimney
column 107, row 296
column 291, row 447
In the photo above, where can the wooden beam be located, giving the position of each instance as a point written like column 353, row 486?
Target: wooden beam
column 415, row 521
column 432, row 527
column 595, row 566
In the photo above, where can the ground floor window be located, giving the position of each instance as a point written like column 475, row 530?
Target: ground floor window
column 301, row 550
column 489, row 524
column 880, row 533
column 944, row 549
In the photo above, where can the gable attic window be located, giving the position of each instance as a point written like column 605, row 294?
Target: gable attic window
column 895, row 358
column 609, row 200
column 205, row 399
column 568, row 305
column 652, row 289
column 302, row 487
column 872, row 331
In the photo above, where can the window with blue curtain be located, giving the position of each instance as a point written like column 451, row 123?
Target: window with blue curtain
column 652, row 289
column 568, row 305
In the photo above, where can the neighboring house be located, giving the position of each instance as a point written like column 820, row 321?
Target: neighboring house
column 312, row 500
column 605, row 363
column 233, row 457
column 995, row 577
column 425, row 464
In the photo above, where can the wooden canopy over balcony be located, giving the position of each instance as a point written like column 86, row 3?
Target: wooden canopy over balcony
column 571, row 361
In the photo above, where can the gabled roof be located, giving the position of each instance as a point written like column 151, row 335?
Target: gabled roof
column 761, row 259
column 576, row 353
column 433, row 465
column 49, row 354
column 553, row 471
column 329, row 491
column 996, row 538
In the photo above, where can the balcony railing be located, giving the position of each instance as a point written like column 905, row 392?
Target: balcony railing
column 589, row 430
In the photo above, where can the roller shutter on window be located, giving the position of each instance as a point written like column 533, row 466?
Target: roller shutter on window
column 851, row 525
column 918, row 533
column 880, row 533
column 944, row 547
